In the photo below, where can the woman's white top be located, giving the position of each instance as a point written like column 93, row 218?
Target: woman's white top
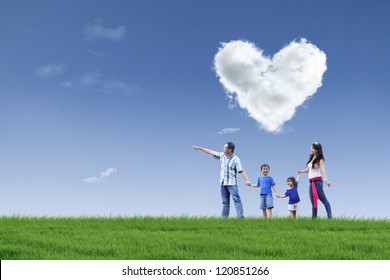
column 314, row 172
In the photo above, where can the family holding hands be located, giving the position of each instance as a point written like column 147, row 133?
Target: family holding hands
column 231, row 166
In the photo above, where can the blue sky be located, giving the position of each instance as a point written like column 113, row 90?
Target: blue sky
column 102, row 101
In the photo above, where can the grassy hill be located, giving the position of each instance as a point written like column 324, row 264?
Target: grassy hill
column 192, row 238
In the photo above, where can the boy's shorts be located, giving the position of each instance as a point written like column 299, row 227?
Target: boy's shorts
column 293, row 207
column 266, row 201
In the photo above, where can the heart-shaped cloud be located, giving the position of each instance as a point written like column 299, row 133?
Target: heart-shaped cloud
column 270, row 89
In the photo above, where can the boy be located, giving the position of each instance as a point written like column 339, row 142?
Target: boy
column 266, row 184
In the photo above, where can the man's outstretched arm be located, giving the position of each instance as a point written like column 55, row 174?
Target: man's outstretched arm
column 207, row 151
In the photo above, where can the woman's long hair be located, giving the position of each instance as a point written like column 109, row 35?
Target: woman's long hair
column 318, row 147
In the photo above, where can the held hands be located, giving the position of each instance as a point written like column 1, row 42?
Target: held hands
column 327, row 183
column 248, row 183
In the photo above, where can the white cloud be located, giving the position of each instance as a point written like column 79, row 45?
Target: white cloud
column 95, row 53
column 96, row 82
column 113, row 85
column 102, row 178
column 227, row 131
column 92, row 180
column 90, row 79
column 270, row 89
column 108, row 172
column 95, row 31
column 50, row 70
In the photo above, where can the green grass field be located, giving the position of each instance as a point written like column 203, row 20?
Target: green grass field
column 187, row 238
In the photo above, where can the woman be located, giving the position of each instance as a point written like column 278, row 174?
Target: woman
column 315, row 165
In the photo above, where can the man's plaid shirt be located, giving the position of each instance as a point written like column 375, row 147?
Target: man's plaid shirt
column 230, row 166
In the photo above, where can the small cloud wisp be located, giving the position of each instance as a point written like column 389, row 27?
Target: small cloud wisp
column 96, row 31
column 50, row 70
column 102, row 177
column 227, row 130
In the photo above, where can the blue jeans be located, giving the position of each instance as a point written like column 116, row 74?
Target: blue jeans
column 323, row 199
column 226, row 191
column 266, row 201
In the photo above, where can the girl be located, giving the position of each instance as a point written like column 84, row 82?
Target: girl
column 292, row 193
column 316, row 190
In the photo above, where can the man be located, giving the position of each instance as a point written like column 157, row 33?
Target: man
column 230, row 166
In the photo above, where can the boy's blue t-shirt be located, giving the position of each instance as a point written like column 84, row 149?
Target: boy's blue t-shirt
column 293, row 195
column 265, row 182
